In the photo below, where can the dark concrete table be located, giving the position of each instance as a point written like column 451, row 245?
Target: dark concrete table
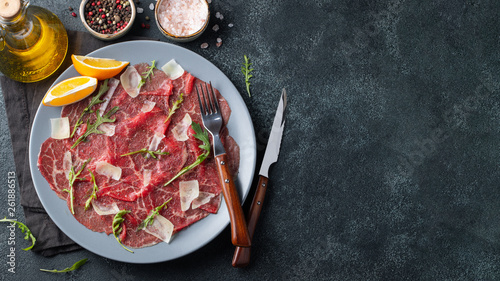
column 389, row 161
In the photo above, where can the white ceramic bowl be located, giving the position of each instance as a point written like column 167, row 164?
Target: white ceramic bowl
column 111, row 36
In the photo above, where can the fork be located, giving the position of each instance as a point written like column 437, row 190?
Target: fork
column 212, row 121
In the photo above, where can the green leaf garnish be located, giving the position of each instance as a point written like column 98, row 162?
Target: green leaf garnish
column 75, row 266
column 24, row 229
column 203, row 136
column 93, row 195
column 149, row 220
column 175, row 106
column 72, row 177
column 95, row 100
column 92, row 128
column 117, row 226
column 147, row 152
column 146, row 74
column 246, row 69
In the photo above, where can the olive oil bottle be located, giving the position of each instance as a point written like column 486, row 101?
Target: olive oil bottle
column 33, row 41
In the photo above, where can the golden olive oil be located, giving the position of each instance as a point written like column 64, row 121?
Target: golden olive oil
column 32, row 45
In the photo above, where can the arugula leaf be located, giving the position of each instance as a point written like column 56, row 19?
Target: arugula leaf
column 145, row 151
column 94, row 191
column 75, row 266
column 149, row 220
column 246, row 69
column 117, row 229
column 92, row 128
column 175, row 106
column 145, row 75
column 95, row 100
column 24, row 229
column 203, row 136
column 72, row 177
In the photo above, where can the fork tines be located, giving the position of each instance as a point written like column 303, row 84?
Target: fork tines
column 208, row 101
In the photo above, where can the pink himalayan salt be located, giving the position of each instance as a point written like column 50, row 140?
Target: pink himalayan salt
column 182, row 17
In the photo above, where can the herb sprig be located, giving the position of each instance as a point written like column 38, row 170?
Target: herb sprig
column 93, row 195
column 117, row 228
column 246, row 69
column 175, row 106
column 203, row 136
column 92, row 128
column 24, row 229
column 95, row 100
column 75, row 266
column 149, row 220
column 146, row 74
column 147, row 152
column 72, row 177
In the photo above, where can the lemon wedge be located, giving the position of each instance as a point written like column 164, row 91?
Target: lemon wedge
column 98, row 67
column 70, row 91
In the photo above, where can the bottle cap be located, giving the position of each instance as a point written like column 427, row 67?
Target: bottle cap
column 9, row 8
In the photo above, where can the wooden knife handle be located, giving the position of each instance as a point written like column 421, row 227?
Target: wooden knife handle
column 241, row 256
column 239, row 230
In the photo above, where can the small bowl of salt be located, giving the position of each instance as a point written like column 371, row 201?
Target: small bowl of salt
column 182, row 20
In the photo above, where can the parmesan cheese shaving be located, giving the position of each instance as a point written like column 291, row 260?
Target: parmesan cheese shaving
column 188, row 191
column 67, row 163
column 102, row 209
column 202, row 199
column 108, row 129
column 60, row 128
column 148, row 106
column 173, row 69
column 112, row 84
column 130, row 80
column 155, row 141
column 108, row 170
column 161, row 228
column 147, row 177
column 181, row 129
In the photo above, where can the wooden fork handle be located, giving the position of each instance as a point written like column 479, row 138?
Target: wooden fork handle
column 241, row 256
column 239, row 230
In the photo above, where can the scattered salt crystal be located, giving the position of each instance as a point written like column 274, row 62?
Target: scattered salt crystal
column 218, row 44
column 140, row 10
column 151, row 6
column 219, row 40
column 216, row 27
column 209, row 1
column 230, row 25
column 204, row 45
column 218, row 15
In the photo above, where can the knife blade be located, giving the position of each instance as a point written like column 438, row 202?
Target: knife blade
column 241, row 256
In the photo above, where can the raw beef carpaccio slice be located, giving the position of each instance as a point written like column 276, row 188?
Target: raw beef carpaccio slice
column 140, row 123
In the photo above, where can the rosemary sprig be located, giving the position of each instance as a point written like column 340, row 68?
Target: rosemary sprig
column 203, row 136
column 72, row 177
column 145, row 151
column 117, row 228
column 92, row 128
column 93, row 195
column 145, row 75
column 149, row 220
column 95, row 100
column 246, row 69
column 175, row 106
column 24, row 229
column 75, row 266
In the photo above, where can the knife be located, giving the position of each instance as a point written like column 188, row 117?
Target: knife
column 241, row 256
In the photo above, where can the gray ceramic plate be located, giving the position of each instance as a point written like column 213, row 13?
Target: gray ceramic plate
column 188, row 240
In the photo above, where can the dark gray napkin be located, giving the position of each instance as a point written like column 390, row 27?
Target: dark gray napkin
column 21, row 102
